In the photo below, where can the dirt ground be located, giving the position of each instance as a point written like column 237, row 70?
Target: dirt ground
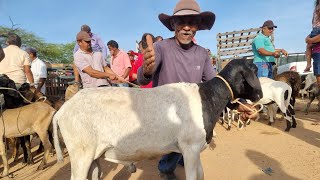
column 256, row 152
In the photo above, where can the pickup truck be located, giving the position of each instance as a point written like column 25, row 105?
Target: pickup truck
column 294, row 62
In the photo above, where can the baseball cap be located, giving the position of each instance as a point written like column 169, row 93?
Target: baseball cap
column 85, row 28
column 83, row 35
column 269, row 24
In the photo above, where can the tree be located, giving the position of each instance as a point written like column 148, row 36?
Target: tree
column 53, row 53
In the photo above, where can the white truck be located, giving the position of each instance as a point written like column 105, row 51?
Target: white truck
column 294, row 62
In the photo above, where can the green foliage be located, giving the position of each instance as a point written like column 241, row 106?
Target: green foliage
column 54, row 53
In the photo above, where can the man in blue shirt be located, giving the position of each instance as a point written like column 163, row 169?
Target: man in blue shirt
column 264, row 51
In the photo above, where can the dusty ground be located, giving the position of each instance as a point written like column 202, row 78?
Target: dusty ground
column 235, row 154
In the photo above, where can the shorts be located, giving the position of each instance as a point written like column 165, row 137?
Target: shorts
column 315, row 31
column 316, row 64
column 264, row 69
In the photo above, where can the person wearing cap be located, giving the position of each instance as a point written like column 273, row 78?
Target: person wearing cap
column 90, row 64
column 120, row 62
column 177, row 59
column 97, row 43
column 39, row 70
column 264, row 51
column 16, row 63
column 1, row 53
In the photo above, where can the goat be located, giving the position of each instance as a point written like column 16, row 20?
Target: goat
column 26, row 120
column 293, row 79
column 129, row 124
column 310, row 79
column 314, row 92
column 22, row 121
column 280, row 93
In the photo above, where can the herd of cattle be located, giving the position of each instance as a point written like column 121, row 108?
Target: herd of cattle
column 126, row 125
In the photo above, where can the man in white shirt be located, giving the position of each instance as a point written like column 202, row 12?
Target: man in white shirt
column 39, row 70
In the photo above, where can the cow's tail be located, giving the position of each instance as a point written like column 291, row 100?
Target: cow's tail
column 56, row 140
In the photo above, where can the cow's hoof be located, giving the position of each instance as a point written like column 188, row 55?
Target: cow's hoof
column 270, row 123
column 30, row 162
column 294, row 125
column 229, row 128
column 287, row 129
column 41, row 167
column 132, row 168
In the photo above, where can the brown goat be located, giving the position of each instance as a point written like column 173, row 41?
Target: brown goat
column 26, row 120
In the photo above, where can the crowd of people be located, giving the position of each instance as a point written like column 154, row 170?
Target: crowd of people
column 158, row 62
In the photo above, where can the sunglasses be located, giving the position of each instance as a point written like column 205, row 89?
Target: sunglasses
column 88, row 42
column 270, row 28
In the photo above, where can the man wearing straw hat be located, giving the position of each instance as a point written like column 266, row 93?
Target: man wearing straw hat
column 179, row 59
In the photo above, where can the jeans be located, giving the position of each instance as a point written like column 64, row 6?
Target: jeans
column 121, row 85
column 264, row 69
column 316, row 63
column 168, row 162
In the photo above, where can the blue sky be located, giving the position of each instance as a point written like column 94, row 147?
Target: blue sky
column 58, row 21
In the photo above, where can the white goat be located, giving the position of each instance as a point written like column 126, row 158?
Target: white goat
column 127, row 125
column 279, row 93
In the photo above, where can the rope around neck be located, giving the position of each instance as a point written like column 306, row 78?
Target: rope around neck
column 254, row 110
column 22, row 95
column 227, row 84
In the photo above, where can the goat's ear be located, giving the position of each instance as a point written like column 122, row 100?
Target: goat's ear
column 252, row 79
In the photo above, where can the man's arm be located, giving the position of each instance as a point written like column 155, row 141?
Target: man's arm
column 264, row 52
column 28, row 72
column 284, row 52
column 126, row 73
column 76, row 73
column 98, row 74
column 1, row 54
column 315, row 39
column 41, row 83
column 145, row 72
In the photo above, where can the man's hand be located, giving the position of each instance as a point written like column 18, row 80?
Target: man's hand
column 120, row 79
column 308, row 40
column 284, row 52
column 149, row 57
column 246, row 113
column 276, row 54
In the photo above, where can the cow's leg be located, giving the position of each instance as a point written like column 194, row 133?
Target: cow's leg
column 191, row 157
column 306, row 110
column 288, row 118
column 292, row 112
column 94, row 171
column 43, row 135
column 27, row 151
column 200, row 175
column 81, row 159
column 15, row 143
column 270, row 113
column 3, row 154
